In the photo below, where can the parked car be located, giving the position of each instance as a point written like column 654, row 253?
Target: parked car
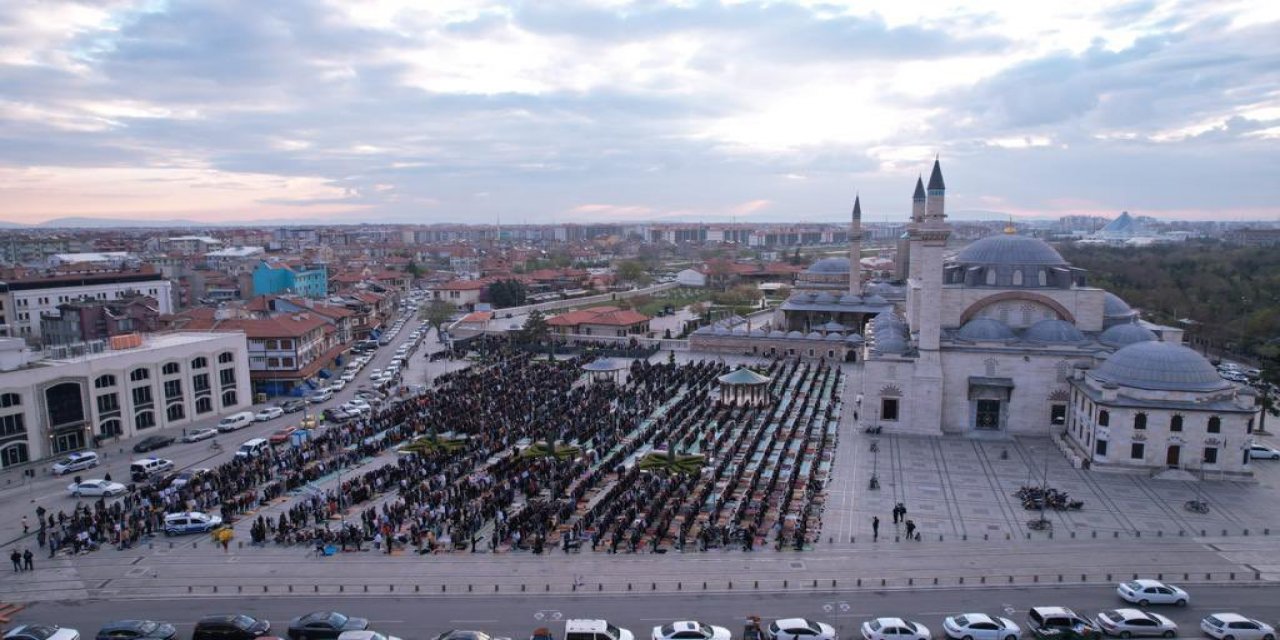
column 980, row 626
column 96, row 488
column 465, row 634
column 200, row 434
column 184, row 478
column 137, row 630
column 41, row 632
column 365, row 635
column 281, row 436
column 75, row 462
column 1146, row 592
column 1233, row 626
column 338, row 385
column 320, row 395
column 799, row 629
column 176, row 524
column 230, row 627
column 894, row 629
column 151, row 443
column 293, row 406
column 1127, row 623
column 690, row 630
column 270, row 413
column 1263, row 452
column 144, row 468
column 324, row 625
column 1060, row 623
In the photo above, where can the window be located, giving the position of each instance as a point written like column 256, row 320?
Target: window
column 199, row 363
column 200, row 382
column 1137, row 450
column 15, row 453
column 204, row 405
column 286, row 363
column 1044, row 277
column 172, row 389
column 141, row 396
column 108, row 402
column 991, row 277
column 286, row 344
column 170, row 369
column 65, row 404
column 273, row 345
column 1249, row 427
column 13, row 425
column 144, row 420
column 1100, row 448
column 1017, row 278
column 110, row 428
column 1140, row 421
column 139, row 374
column 10, row 400
column 227, row 377
column 1104, row 418
column 175, row 412
column 225, row 357
column 888, row 408
column 229, row 398
column 1211, row 455
column 103, row 382
column 1175, row 423
column 1215, row 425
column 273, row 362
column 1058, row 414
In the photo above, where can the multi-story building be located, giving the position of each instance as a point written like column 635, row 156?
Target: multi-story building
column 92, row 319
column 287, row 351
column 25, row 300
column 58, row 401
column 270, row 278
column 189, row 245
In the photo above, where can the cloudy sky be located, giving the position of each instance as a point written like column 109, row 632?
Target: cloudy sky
column 548, row 111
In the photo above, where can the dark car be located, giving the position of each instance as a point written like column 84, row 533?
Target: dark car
column 230, row 627
column 137, row 630
column 293, row 406
column 324, row 625
column 151, row 443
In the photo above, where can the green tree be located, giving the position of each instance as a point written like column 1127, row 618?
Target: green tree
column 631, row 271
column 535, row 327
column 505, row 293
column 413, row 269
column 437, row 313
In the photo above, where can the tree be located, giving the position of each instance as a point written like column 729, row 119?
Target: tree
column 535, row 327
column 505, row 293
column 437, row 313
column 631, row 271
column 413, row 269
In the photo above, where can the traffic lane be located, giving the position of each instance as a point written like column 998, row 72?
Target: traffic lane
column 516, row 616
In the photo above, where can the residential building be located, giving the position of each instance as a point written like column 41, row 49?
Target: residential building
column 601, row 321
column 288, row 352
column 23, row 301
column 92, row 319
column 270, row 278
column 463, row 294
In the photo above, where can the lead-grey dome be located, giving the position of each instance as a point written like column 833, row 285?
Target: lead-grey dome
column 1123, row 335
column 985, row 330
column 830, row 266
column 1053, row 331
column 1160, row 366
column 1009, row 249
column 1113, row 306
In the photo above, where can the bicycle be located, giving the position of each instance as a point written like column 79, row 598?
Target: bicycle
column 1196, row 506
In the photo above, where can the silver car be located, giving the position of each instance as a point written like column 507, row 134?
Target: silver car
column 1129, row 623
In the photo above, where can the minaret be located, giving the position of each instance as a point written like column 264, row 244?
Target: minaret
column 934, row 210
column 933, row 235
column 855, row 249
column 917, row 202
column 917, row 219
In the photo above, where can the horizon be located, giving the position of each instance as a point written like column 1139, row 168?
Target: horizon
column 238, row 113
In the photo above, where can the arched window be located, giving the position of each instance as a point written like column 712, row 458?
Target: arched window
column 10, row 400
column 229, row 398
column 1044, row 278
column 1104, row 418
column 102, row 382
column 1017, row 278
column 15, row 453
column 110, row 428
column 170, row 369
column 139, row 374
column 144, row 420
column 1215, row 425
column 1140, row 421
column 175, row 412
column 991, row 277
column 199, row 363
column 1175, row 423
column 204, row 405
column 225, row 357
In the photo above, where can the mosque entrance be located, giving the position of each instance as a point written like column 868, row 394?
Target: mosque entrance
column 989, row 403
column 988, row 415
column 1171, row 458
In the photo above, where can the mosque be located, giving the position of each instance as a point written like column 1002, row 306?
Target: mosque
column 1006, row 338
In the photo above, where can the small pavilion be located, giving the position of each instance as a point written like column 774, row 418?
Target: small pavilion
column 743, row 386
column 604, row 370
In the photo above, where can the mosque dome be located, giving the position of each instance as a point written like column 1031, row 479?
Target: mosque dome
column 795, row 335
column 834, row 337
column 1012, row 250
column 849, row 298
column 830, row 266
column 760, row 332
column 1123, row 335
column 875, row 299
column 740, row 331
column 814, row 335
column 824, row 298
column 777, row 333
column 854, row 338
column 1115, row 308
column 721, row 331
column 1053, row 331
column 1160, row 366
column 891, row 344
column 985, row 330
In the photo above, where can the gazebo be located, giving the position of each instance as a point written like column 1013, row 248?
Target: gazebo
column 604, row 369
column 743, row 386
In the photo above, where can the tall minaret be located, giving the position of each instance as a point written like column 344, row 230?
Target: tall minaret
column 933, row 235
column 935, row 209
column 917, row 202
column 917, row 219
column 855, row 249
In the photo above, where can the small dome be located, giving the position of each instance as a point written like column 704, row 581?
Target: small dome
column 886, row 318
column 849, row 298
column 985, row 330
column 834, row 337
column 891, row 344
column 1160, row 366
column 739, row 331
column 875, row 299
column 1010, row 249
column 824, row 298
column 854, row 338
column 721, row 331
column 760, row 332
column 777, row 333
column 832, row 326
column 795, row 335
column 1123, row 335
column 1113, row 306
column 1053, row 331
column 702, row 331
column 798, row 296
column 814, row 335
column 830, row 266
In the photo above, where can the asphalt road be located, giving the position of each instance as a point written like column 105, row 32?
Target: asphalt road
column 423, row 618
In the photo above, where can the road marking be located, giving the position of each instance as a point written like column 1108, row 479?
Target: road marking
column 463, row 621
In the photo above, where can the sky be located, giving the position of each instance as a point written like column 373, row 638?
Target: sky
column 424, row 111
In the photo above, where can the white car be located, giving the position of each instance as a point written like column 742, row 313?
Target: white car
column 1263, row 452
column 1233, row 626
column 364, row 635
column 1127, row 623
column 690, row 630
column 41, row 632
column 75, row 462
column 270, row 413
column 1145, row 592
column 200, row 434
column 104, row 488
column 799, row 629
column 348, row 376
column 894, row 629
column 338, row 385
column 321, row 395
column 980, row 626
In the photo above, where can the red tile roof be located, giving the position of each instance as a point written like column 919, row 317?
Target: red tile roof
column 599, row 315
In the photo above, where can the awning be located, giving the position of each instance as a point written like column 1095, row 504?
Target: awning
column 324, row 373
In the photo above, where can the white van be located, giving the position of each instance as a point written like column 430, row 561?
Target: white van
column 594, row 630
column 252, row 448
column 140, row 470
column 235, row 421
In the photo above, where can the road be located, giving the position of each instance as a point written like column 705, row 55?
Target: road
column 516, row 616
column 19, row 497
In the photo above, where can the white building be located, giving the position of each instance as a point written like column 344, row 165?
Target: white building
column 23, row 301
column 51, row 406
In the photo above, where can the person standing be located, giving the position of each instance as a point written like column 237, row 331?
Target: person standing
column 875, row 528
column 26, row 527
column 28, row 560
column 17, row 560
column 911, row 529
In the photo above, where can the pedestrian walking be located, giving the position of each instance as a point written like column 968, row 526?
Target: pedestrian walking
column 875, row 528
column 895, row 514
column 911, row 529
column 28, row 560
column 17, row 560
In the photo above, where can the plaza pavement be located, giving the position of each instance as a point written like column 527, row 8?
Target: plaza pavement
column 958, row 490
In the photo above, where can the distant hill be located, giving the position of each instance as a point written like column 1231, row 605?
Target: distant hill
column 119, row 223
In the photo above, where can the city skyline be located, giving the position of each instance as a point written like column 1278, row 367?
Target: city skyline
column 236, row 112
